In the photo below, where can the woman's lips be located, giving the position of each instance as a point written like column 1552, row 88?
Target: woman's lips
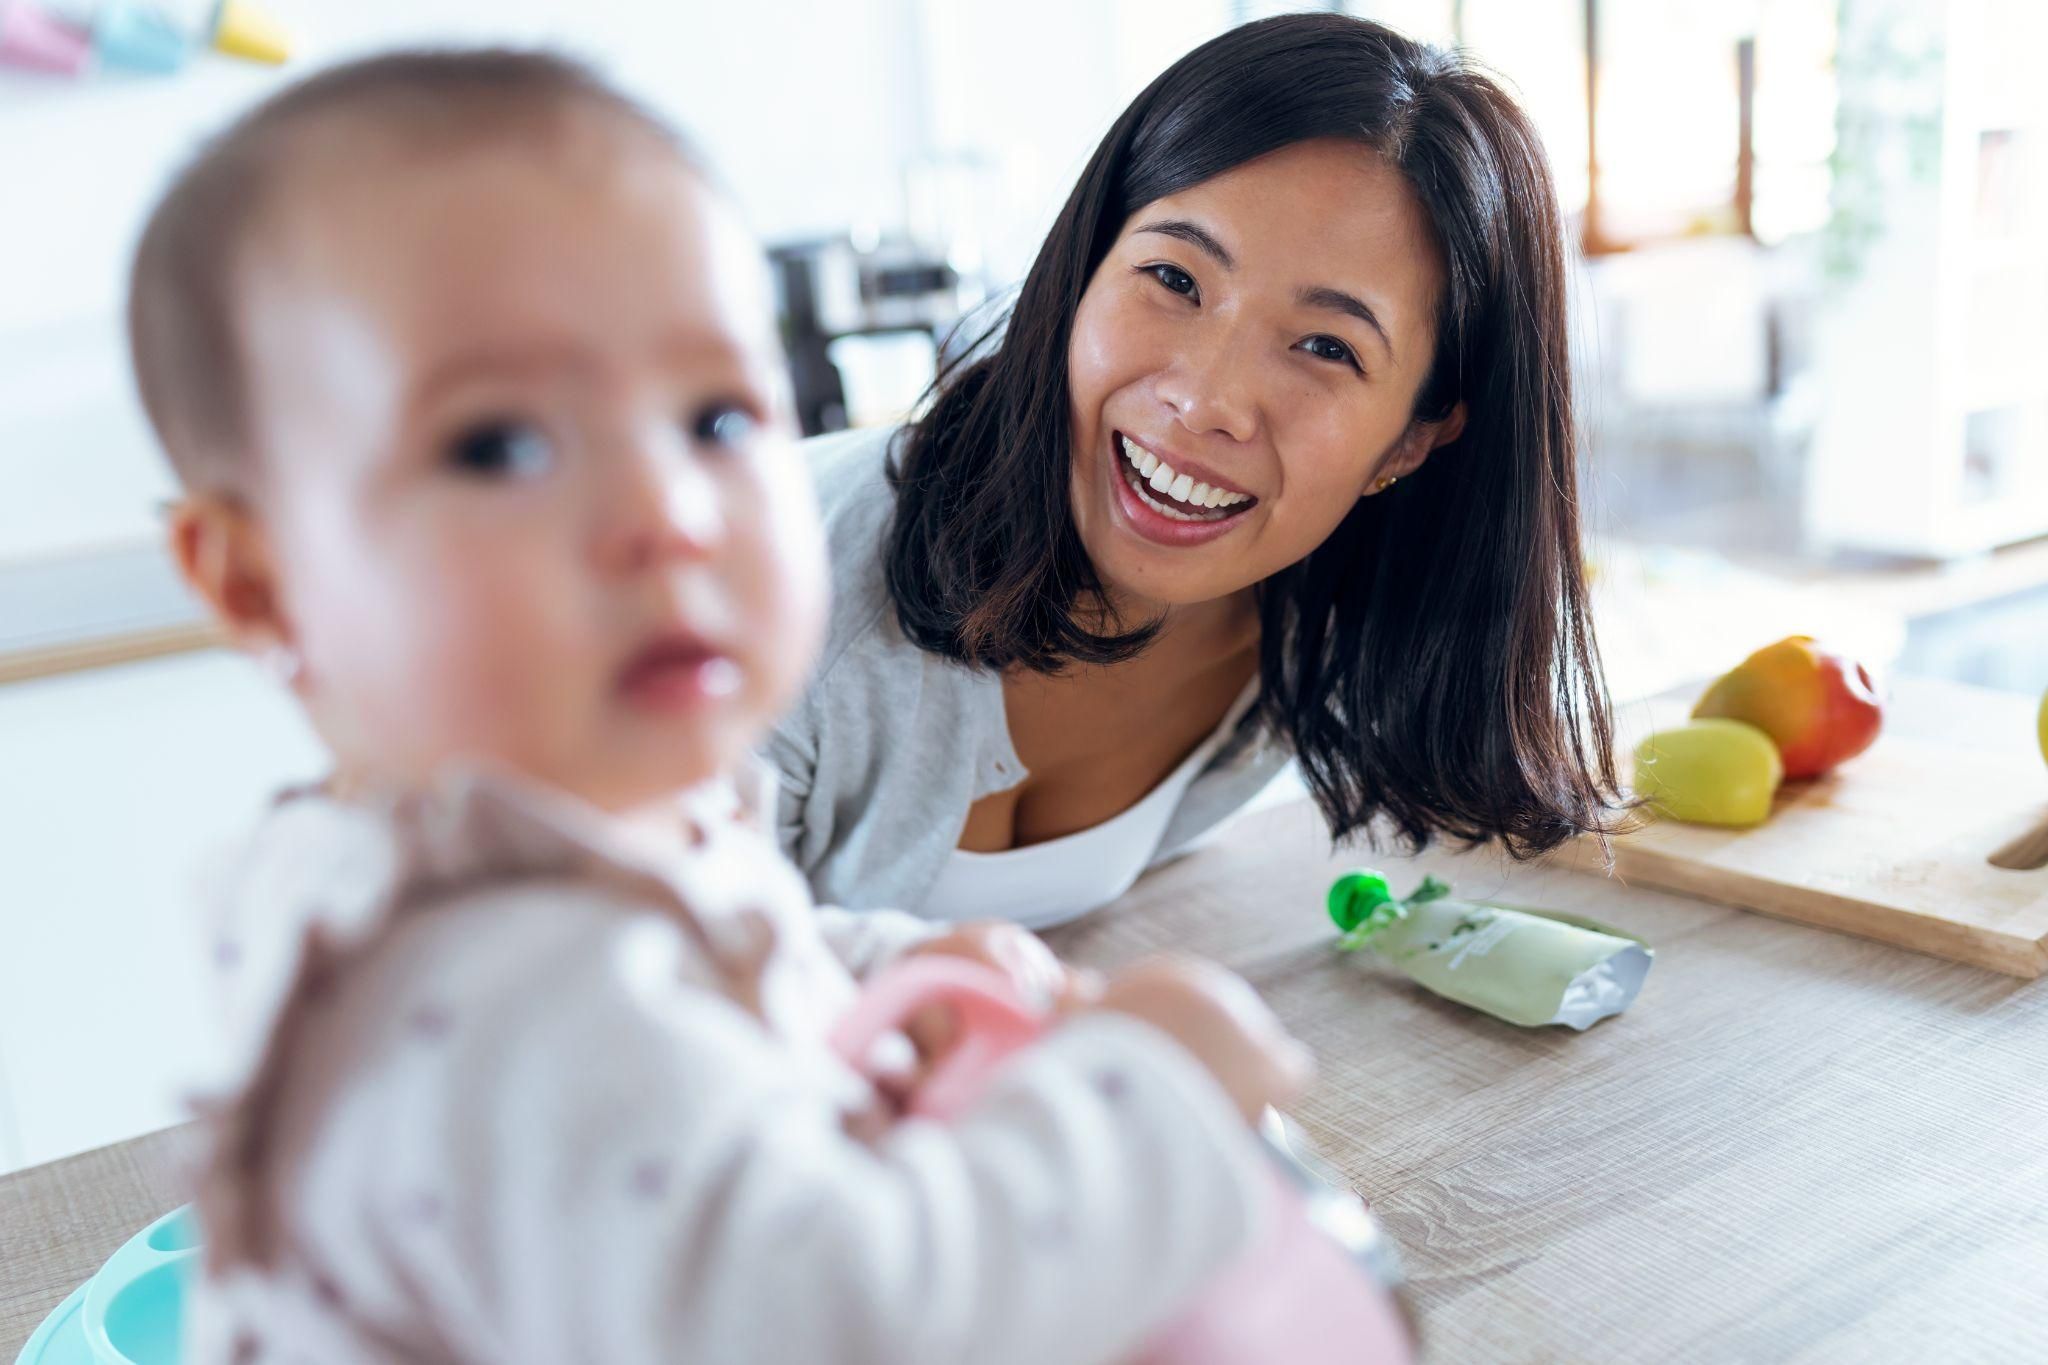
column 1137, row 510
column 678, row 672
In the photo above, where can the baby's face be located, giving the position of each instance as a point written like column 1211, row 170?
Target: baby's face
column 528, row 483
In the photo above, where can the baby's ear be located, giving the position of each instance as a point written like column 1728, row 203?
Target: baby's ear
column 224, row 554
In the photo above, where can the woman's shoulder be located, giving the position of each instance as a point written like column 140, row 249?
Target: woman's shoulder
column 857, row 504
column 850, row 471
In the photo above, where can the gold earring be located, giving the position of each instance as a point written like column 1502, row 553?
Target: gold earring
column 1384, row 484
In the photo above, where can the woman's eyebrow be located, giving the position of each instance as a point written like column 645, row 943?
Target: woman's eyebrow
column 1336, row 300
column 1194, row 234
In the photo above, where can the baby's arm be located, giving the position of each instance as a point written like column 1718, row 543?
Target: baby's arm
column 587, row 1161
column 865, row 941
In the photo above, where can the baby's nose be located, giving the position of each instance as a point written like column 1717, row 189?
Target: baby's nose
column 664, row 507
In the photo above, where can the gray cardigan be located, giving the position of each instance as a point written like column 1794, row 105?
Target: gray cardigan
column 879, row 762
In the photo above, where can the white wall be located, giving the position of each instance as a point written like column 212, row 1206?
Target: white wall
column 115, row 786
column 804, row 103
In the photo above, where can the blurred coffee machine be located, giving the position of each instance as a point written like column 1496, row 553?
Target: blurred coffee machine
column 863, row 324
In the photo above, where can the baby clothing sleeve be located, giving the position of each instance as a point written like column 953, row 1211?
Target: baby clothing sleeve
column 628, row 1167
column 865, row 941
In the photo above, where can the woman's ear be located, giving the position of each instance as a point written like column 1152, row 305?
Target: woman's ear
column 223, row 553
column 1415, row 445
column 1447, row 428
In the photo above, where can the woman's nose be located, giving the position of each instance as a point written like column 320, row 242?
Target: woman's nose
column 662, row 505
column 1209, row 386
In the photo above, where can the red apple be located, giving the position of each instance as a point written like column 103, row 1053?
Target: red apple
column 1821, row 707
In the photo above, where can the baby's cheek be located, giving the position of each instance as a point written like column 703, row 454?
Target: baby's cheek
column 475, row 660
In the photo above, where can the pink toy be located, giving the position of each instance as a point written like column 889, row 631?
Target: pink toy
column 32, row 39
column 1305, row 1294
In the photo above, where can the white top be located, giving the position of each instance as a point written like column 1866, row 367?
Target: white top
column 1041, row 885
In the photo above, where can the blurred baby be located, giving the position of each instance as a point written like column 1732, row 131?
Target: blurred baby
column 470, row 374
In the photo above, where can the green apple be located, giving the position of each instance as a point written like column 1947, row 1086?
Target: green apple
column 1709, row 772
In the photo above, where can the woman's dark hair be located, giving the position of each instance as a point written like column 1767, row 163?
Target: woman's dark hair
column 1431, row 662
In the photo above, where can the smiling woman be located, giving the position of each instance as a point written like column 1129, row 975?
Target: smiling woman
column 1273, row 459
column 1214, row 337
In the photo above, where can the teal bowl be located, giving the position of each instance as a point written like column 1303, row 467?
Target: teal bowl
column 133, row 1311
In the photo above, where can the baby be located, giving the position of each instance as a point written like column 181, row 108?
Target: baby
column 471, row 378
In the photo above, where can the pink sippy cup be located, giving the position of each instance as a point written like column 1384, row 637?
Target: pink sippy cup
column 1313, row 1290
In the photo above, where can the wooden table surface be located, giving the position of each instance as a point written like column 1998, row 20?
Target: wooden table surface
column 1795, row 1146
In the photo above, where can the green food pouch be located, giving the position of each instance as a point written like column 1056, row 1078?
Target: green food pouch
column 1529, row 967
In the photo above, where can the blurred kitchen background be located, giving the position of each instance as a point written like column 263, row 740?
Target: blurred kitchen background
column 1813, row 320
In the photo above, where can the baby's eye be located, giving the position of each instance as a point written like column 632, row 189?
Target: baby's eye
column 1175, row 279
column 494, row 450
column 1329, row 348
column 725, row 425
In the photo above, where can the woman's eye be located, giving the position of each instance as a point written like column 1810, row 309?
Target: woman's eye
column 515, row 450
column 725, row 425
column 1329, row 348
column 1174, row 278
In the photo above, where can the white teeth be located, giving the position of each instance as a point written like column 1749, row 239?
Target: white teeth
column 1171, row 513
column 1144, row 459
column 1164, row 478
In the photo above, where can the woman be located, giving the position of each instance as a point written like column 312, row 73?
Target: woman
column 1273, row 460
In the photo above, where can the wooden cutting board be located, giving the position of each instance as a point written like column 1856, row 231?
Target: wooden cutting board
column 1893, row 845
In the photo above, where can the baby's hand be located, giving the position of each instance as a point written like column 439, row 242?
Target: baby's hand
column 1219, row 1018
column 1039, row 979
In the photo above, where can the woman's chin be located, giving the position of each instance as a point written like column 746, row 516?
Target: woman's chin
column 1141, row 587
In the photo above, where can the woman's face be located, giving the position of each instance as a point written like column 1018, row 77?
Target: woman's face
column 1243, row 368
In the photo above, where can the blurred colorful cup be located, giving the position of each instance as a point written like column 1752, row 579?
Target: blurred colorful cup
column 31, row 39
column 243, row 28
column 138, row 36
